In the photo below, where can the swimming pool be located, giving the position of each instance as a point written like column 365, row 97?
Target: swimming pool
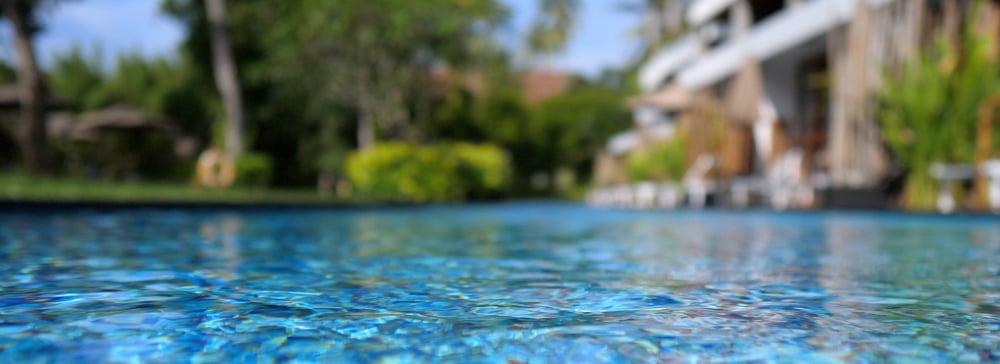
column 511, row 283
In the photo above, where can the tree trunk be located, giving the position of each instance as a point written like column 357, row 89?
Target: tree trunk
column 225, row 76
column 366, row 131
column 363, row 103
column 30, row 130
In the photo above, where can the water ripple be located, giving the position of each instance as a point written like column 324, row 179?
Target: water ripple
column 514, row 283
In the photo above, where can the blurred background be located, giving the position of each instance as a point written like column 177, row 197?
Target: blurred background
column 787, row 104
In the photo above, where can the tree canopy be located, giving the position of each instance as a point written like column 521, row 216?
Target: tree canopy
column 321, row 78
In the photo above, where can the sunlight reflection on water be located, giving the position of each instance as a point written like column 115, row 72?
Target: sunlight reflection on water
column 514, row 282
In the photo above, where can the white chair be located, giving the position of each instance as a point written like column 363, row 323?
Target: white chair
column 947, row 175
column 668, row 195
column 787, row 183
column 740, row 190
column 991, row 169
column 623, row 196
column 645, row 194
column 697, row 185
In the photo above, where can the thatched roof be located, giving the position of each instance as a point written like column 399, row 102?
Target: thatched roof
column 118, row 117
column 745, row 92
column 670, row 97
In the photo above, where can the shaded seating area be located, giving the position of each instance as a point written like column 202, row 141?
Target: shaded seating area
column 695, row 190
column 120, row 142
column 739, row 154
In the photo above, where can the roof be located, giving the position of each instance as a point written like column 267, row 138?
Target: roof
column 670, row 97
column 668, row 60
column 701, row 11
column 783, row 31
column 745, row 92
column 118, row 116
column 540, row 85
column 793, row 26
column 627, row 141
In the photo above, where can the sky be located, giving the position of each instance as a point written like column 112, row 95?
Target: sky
column 89, row 24
column 600, row 40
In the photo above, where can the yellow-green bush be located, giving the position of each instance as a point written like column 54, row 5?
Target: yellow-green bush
column 660, row 162
column 254, row 170
column 445, row 172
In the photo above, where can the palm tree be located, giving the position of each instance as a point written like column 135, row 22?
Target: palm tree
column 225, row 76
column 30, row 130
column 552, row 27
column 662, row 21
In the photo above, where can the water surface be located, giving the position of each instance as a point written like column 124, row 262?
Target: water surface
column 513, row 283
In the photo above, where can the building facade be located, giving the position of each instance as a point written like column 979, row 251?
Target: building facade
column 792, row 81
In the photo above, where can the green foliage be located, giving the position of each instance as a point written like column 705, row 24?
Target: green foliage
column 378, row 61
column 78, row 79
column 552, row 26
column 374, row 57
column 17, row 186
column 661, row 162
column 158, row 87
column 444, row 172
column 7, row 73
column 375, row 54
column 332, row 161
column 254, row 170
column 568, row 129
column 483, row 169
column 928, row 113
column 123, row 154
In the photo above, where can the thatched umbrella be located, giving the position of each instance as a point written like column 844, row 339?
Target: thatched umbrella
column 856, row 158
column 745, row 92
column 742, row 103
column 670, row 97
column 119, row 117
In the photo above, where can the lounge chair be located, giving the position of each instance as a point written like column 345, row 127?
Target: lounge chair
column 645, row 194
column 741, row 189
column 696, row 181
column 991, row 169
column 787, row 184
column 668, row 195
column 947, row 175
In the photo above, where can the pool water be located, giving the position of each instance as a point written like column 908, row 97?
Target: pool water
column 508, row 283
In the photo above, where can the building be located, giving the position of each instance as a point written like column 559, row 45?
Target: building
column 794, row 83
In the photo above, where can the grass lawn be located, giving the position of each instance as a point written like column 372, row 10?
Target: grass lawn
column 19, row 187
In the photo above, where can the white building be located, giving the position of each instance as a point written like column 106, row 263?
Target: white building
column 797, row 76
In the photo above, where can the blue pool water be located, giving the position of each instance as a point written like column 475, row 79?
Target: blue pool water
column 514, row 283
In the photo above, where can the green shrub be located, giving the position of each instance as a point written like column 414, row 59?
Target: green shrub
column 254, row 170
column 446, row 172
column 118, row 154
column 660, row 162
column 928, row 112
column 484, row 170
column 332, row 162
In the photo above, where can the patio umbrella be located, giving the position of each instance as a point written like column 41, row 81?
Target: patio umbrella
column 670, row 97
column 120, row 117
column 744, row 93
